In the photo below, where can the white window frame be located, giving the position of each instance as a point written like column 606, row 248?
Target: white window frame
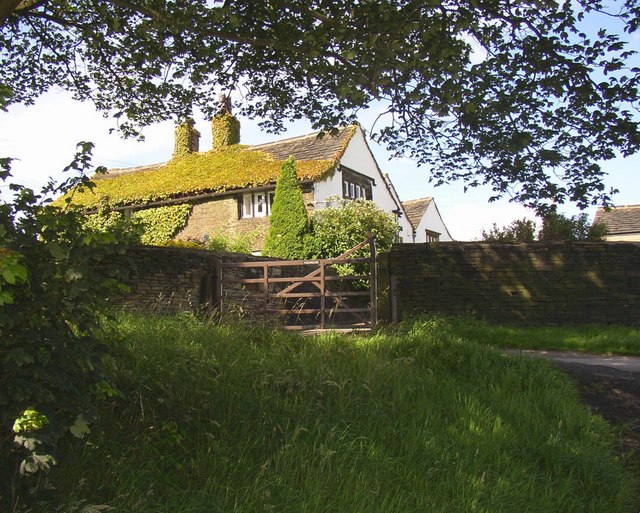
column 432, row 236
column 257, row 204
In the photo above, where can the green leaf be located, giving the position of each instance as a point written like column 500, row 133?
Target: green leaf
column 18, row 357
column 80, row 427
column 9, row 276
column 30, row 420
column 56, row 251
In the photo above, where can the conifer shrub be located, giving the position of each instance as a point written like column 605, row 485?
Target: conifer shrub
column 289, row 223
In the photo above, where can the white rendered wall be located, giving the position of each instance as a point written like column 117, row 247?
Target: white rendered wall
column 332, row 186
column 431, row 220
column 631, row 237
column 358, row 157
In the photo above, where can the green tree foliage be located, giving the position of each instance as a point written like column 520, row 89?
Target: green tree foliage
column 520, row 230
column 55, row 277
column 555, row 227
column 526, row 96
column 289, row 223
column 337, row 228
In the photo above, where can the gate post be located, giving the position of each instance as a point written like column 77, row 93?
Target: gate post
column 374, row 280
column 265, row 284
column 323, row 291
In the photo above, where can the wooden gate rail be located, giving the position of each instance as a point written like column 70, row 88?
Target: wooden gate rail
column 317, row 278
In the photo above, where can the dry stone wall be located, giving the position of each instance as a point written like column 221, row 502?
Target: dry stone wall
column 538, row 283
column 170, row 280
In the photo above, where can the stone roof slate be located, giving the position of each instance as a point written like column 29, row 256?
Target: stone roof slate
column 620, row 220
column 315, row 146
column 415, row 209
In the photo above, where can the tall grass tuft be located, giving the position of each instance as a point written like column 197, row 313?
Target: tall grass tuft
column 214, row 418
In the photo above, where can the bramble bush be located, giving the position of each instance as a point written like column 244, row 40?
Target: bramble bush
column 346, row 223
column 55, row 278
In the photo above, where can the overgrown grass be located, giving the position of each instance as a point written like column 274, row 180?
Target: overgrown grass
column 621, row 340
column 235, row 419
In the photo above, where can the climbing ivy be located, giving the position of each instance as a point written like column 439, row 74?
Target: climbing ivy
column 161, row 224
column 186, row 141
column 153, row 226
column 225, row 129
column 108, row 221
column 233, row 167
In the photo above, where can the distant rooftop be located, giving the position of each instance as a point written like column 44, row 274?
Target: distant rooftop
column 620, row 219
column 415, row 209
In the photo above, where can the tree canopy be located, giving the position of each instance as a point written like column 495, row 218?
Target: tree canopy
column 555, row 227
column 526, row 96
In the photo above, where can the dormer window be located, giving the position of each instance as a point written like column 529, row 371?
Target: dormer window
column 356, row 185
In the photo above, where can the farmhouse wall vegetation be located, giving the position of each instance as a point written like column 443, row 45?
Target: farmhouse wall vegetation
column 222, row 217
column 539, row 283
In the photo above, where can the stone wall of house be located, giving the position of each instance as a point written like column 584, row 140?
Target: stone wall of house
column 552, row 283
column 220, row 216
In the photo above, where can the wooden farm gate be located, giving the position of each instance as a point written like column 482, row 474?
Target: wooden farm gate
column 305, row 294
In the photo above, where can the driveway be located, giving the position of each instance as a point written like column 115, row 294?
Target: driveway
column 625, row 363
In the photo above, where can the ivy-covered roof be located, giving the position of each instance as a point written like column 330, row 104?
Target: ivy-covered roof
column 217, row 171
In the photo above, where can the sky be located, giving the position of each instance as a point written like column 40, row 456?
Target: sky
column 42, row 139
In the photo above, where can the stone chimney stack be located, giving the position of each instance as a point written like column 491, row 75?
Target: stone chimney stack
column 187, row 139
column 225, row 127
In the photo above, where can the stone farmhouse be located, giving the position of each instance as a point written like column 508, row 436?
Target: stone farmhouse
column 230, row 189
column 622, row 222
